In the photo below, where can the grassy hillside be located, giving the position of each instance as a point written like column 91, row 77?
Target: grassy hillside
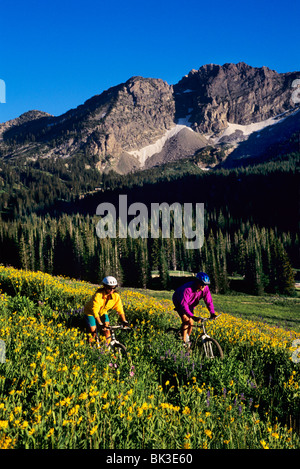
column 274, row 310
column 64, row 394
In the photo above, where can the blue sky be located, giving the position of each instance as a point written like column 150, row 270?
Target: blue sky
column 55, row 55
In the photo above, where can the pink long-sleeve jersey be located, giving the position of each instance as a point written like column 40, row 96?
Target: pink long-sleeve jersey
column 186, row 298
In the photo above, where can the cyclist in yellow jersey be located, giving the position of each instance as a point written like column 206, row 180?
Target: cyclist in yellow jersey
column 95, row 310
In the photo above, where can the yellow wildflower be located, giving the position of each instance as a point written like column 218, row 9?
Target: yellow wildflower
column 51, row 431
column 186, row 411
column 94, row 429
column 264, row 444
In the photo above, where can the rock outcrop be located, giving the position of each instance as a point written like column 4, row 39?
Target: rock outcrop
column 216, row 95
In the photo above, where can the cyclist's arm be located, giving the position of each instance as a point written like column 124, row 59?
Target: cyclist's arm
column 98, row 320
column 93, row 306
column 208, row 301
column 119, row 309
column 96, row 306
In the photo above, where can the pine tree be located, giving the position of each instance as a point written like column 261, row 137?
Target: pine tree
column 254, row 275
column 142, row 264
column 24, row 254
column 128, row 261
column 164, row 270
column 222, row 263
column 212, row 266
column 79, row 260
column 283, row 280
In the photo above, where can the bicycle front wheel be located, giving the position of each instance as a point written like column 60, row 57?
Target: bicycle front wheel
column 121, row 355
column 208, row 348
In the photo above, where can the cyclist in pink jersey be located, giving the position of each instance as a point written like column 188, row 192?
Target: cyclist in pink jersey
column 187, row 297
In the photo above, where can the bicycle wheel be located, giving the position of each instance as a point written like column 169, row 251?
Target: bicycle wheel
column 175, row 331
column 208, row 348
column 121, row 355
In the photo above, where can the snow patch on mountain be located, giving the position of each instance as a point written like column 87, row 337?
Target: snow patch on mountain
column 246, row 130
column 144, row 153
column 185, row 120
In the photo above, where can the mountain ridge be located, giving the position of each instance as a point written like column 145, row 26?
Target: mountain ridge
column 146, row 122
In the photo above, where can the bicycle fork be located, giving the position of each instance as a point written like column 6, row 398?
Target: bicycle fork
column 207, row 346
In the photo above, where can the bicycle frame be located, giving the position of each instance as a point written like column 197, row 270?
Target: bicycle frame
column 207, row 344
column 113, row 340
column 210, row 346
column 202, row 325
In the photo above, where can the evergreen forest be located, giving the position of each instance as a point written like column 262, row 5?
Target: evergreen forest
column 251, row 233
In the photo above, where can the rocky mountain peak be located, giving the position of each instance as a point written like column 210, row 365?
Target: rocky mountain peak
column 216, row 95
column 145, row 122
column 28, row 120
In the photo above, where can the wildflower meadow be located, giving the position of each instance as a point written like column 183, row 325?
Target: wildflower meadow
column 58, row 392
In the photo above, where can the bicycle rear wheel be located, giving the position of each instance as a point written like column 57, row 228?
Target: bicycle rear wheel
column 208, row 348
column 175, row 331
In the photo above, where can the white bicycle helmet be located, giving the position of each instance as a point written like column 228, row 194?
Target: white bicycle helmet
column 110, row 281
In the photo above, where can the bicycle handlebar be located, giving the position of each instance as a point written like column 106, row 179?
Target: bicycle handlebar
column 201, row 320
column 120, row 326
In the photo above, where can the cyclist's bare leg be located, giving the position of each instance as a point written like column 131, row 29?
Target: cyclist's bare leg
column 92, row 334
column 186, row 327
column 106, row 332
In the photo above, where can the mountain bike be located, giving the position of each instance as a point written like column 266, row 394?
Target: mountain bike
column 118, row 350
column 203, row 345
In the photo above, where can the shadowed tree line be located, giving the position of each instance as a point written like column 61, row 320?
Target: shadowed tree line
column 69, row 246
column 251, row 222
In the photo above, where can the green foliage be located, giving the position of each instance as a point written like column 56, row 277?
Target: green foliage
column 250, row 222
column 69, row 246
column 63, row 394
